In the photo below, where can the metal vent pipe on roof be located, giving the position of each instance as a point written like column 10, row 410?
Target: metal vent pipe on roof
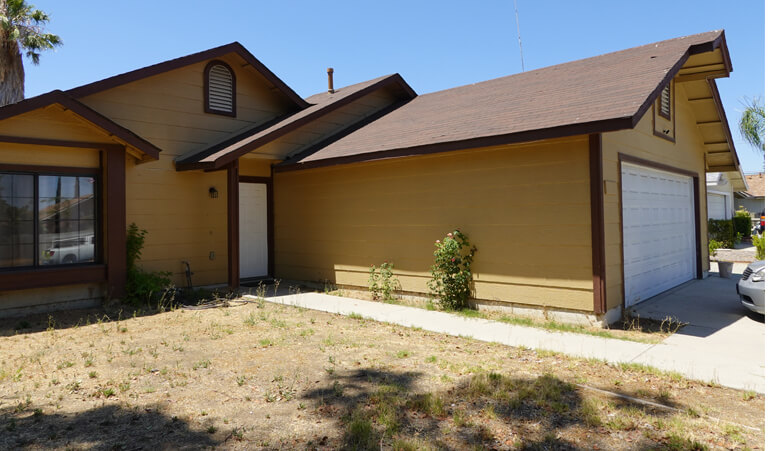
column 330, row 80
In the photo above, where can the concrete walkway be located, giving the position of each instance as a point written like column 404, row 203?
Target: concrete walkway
column 663, row 356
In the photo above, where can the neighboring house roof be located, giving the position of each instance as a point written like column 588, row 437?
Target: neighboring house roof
column 216, row 52
column 61, row 98
column 220, row 154
column 599, row 94
column 756, row 186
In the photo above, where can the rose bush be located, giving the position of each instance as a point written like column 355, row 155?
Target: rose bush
column 451, row 282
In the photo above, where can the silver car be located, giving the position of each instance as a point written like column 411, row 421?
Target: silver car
column 751, row 287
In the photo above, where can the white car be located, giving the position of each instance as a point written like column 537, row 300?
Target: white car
column 70, row 250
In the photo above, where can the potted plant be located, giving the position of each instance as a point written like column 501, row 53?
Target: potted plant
column 723, row 267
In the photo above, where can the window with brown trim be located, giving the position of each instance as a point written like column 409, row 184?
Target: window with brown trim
column 219, row 89
column 665, row 102
column 48, row 219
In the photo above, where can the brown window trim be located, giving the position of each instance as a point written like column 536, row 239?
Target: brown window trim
column 206, row 77
column 66, row 171
column 50, row 277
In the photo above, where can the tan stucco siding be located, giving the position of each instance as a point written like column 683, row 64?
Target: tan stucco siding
column 52, row 122
column 526, row 207
column 183, row 221
column 168, row 109
column 255, row 167
column 23, row 154
column 687, row 152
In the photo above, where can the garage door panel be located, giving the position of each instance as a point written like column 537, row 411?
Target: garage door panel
column 658, row 231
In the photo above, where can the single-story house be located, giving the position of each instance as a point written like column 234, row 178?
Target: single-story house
column 752, row 198
column 580, row 184
column 720, row 189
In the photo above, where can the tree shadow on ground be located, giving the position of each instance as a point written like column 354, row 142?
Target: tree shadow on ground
column 374, row 408
column 106, row 427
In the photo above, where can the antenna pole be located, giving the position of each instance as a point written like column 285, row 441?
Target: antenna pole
column 519, row 40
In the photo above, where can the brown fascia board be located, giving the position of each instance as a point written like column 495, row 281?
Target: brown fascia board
column 718, row 42
column 90, row 115
column 194, row 162
column 474, row 143
column 159, row 68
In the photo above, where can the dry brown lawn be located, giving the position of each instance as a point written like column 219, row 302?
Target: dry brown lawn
column 266, row 376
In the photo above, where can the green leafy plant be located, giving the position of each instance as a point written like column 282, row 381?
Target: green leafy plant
column 759, row 242
column 721, row 230
column 714, row 245
column 742, row 222
column 451, row 281
column 142, row 286
column 382, row 283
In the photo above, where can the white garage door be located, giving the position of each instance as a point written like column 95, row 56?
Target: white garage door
column 716, row 206
column 659, row 231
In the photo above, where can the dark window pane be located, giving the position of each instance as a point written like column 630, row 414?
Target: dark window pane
column 22, row 209
column 6, row 233
column 87, row 186
column 6, row 256
column 24, row 186
column 23, row 254
column 6, row 186
column 24, row 232
column 62, row 187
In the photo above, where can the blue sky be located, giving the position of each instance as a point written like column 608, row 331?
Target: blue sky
column 434, row 45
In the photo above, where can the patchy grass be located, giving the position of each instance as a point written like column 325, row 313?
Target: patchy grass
column 629, row 329
column 258, row 376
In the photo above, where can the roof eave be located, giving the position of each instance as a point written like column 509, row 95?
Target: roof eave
column 587, row 128
column 165, row 66
column 226, row 159
column 90, row 115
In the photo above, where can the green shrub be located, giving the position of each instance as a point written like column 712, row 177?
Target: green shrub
column 382, row 282
column 142, row 286
column 742, row 222
column 721, row 230
column 713, row 246
column 759, row 242
column 451, row 281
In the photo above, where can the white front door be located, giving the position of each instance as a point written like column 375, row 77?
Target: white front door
column 659, row 231
column 254, row 250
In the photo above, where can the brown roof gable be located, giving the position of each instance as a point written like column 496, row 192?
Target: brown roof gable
column 219, row 155
column 599, row 94
column 90, row 115
column 216, row 52
column 756, row 184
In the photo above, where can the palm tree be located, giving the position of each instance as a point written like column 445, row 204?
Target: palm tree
column 21, row 29
column 752, row 124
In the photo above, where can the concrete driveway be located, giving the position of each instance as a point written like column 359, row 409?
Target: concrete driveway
column 719, row 330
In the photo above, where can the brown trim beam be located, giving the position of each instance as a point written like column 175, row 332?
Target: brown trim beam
column 598, row 223
column 233, row 226
column 48, row 169
column 114, row 199
column 56, row 142
column 50, row 277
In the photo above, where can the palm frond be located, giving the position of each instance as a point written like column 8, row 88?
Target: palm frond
column 752, row 123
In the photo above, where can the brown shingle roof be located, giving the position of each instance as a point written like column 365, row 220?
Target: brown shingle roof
column 602, row 93
column 323, row 103
column 756, row 184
